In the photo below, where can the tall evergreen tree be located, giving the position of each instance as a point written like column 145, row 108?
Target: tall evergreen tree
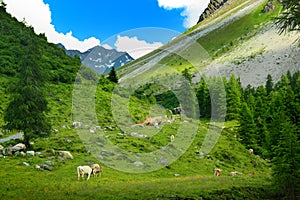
column 260, row 115
column 247, row 128
column 203, row 97
column 269, row 84
column 28, row 104
column 112, row 75
column 286, row 163
column 233, row 98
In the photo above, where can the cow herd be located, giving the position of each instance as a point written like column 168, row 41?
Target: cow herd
column 95, row 169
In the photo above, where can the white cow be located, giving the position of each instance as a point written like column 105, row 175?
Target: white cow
column 97, row 169
column 82, row 170
column 172, row 138
column 251, row 151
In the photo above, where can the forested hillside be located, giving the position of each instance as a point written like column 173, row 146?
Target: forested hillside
column 14, row 36
column 60, row 69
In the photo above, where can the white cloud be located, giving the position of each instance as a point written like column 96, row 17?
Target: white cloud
column 192, row 9
column 135, row 47
column 38, row 15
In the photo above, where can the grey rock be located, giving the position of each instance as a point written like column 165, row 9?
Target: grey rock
column 7, row 151
column 30, row 153
column 65, row 154
column 138, row 163
column 134, row 134
column 25, row 164
column 18, row 147
column 48, row 162
column 46, row 167
column 201, row 155
column 163, row 161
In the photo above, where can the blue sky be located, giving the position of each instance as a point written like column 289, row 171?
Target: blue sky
column 123, row 25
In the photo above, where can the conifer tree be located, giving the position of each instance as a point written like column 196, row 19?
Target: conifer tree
column 247, row 127
column 286, row 163
column 233, row 97
column 269, row 84
column 28, row 104
column 289, row 18
column 203, row 97
column 112, row 75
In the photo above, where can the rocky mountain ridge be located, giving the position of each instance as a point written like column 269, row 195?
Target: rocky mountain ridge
column 100, row 59
column 211, row 8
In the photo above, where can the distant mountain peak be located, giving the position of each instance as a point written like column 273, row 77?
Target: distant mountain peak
column 211, row 8
column 100, row 59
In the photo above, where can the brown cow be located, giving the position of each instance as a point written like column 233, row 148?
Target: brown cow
column 96, row 169
column 217, row 172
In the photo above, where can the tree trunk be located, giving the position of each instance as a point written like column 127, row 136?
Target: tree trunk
column 26, row 141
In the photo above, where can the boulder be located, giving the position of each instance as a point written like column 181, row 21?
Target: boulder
column 25, row 164
column 163, row 161
column 37, row 167
column 23, row 153
column 48, row 162
column 7, row 151
column 46, row 167
column 18, row 147
column 138, row 163
column 30, row 153
column 65, row 154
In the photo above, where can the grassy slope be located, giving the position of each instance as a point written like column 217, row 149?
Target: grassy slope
column 232, row 35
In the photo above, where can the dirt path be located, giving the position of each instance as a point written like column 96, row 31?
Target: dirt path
column 12, row 137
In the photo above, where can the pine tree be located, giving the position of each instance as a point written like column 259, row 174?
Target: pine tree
column 247, row 128
column 112, row 75
column 28, row 104
column 233, row 97
column 203, row 97
column 286, row 163
column 269, row 84
column 289, row 18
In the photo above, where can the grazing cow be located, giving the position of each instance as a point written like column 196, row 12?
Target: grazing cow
column 172, row 137
column 217, row 172
column 251, row 151
column 235, row 173
column 82, row 170
column 97, row 169
column 77, row 125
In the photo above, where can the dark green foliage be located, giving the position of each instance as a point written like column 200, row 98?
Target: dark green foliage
column 247, row 126
column 203, row 97
column 186, row 74
column 112, row 75
column 53, row 60
column 233, row 98
column 26, row 110
column 269, row 84
column 289, row 18
column 286, row 162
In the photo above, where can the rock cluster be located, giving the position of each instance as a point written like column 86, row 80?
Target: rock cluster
column 211, row 8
